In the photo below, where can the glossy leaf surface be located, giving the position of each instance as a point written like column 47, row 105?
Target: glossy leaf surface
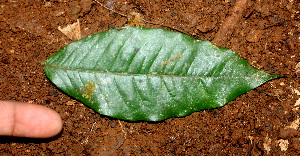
column 150, row 74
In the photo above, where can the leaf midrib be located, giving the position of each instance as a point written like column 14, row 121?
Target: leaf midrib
column 153, row 75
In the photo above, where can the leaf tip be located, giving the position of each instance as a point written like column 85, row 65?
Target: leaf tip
column 43, row 63
column 275, row 76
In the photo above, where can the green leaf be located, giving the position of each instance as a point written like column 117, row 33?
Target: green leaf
column 150, row 74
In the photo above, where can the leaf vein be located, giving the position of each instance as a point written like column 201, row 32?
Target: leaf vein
column 154, row 75
column 119, row 92
column 105, row 50
column 136, row 88
column 74, row 50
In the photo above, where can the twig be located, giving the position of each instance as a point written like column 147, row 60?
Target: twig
column 110, row 9
column 122, row 129
column 87, row 139
column 230, row 22
column 170, row 27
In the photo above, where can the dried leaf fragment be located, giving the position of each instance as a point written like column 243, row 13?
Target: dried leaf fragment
column 283, row 144
column 72, row 31
column 297, row 103
column 298, row 69
column 135, row 19
column 294, row 124
column 267, row 144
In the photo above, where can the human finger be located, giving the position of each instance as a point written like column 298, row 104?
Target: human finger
column 28, row 120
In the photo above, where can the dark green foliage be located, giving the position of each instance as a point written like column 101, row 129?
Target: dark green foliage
column 150, row 74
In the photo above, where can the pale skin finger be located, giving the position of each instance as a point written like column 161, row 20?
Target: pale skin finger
column 28, row 120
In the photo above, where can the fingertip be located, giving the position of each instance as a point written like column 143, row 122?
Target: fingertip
column 36, row 121
column 33, row 121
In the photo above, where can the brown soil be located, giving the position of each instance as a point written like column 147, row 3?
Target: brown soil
column 263, row 121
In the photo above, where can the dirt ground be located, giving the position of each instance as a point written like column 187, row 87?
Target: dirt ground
column 263, row 121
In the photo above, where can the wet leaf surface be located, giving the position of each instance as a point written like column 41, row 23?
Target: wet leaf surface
column 150, row 74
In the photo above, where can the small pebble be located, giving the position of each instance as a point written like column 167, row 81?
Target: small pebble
column 113, row 124
column 288, row 133
column 112, row 26
column 74, row 8
column 53, row 93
